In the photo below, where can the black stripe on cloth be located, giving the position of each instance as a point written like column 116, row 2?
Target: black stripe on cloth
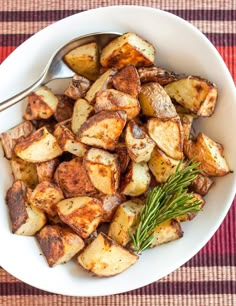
column 53, row 15
column 218, row 39
column 157, row 288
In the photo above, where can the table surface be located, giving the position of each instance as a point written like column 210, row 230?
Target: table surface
column 209, row 278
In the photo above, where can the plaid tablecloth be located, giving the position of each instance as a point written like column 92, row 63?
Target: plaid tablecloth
column 209, row 278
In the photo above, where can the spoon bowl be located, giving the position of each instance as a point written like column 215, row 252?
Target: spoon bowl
column 56, row 68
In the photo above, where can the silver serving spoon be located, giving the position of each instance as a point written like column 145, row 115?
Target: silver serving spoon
column 56, row 67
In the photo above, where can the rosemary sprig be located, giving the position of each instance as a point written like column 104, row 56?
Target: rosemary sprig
column 165, row 202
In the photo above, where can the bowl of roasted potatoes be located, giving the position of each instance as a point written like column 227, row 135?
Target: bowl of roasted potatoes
column 115, row 177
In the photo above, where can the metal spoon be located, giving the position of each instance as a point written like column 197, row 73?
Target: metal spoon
column 56, row 67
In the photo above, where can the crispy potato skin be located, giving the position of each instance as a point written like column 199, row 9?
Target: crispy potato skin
column 59, row 244
column 157, row 74
column 64, row 108
column 110, row 203
column 78, row 87
column 123, row 156
column 201, row 184
column 45, row 170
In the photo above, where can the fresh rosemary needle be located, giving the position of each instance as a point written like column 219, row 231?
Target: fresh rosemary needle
column 165, row 202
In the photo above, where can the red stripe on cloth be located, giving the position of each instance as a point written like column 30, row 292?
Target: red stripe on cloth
column 5, row 51
column 229, row 55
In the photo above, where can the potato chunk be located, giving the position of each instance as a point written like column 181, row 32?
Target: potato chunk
column 45, row 170
column 156, row 74
column 103, row 170
column 161, row 165
column 45, row 196
column 68, row 142
column 123, row 156
column 139, row 144
column 40, row 146
column 186, row 120
column 103, row 129
column 201, row 184
column 155, row 102
column 209, row 154
column 73, row 179
column 128, row 49
column 82, row 111
column 115, row 100
column 82, row 214
column 78, row 87
column 195, row 93
column 127, row 80
column 136, row 179
column 42, row 104
column 10, row 137
column 104, row 257
column 64, row 108
column 168, row 135
column 25, row 218
column 110, row 204
column 167, row 231
column 59, row 244
column 125, row 220
column 84, row 60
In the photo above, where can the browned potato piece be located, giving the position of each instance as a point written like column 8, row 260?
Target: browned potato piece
column 167, row 231
column 73, row 179
column 42, row 104
column 45, row 196
column 82, row 214
column 38, row 147
column 139, row 144
column 64, row 108
column 201, row 184
column 103, row 129
column 189, row 216
column 110, row 204
column 82, row 111
column 155, row 102
column 67, row 141
column 59, row 244
column 127, row 80
column 209, row 153
column 78, row 87
column 195, row 93
column 45, row 170
column 10, row 137
column 125, row 221
column 186, row 120
column 114, row 100
column 105, row 257
column 103, row 82
column 128, row 49
column 123, row 156
column 25, row 218
column 161, row 165
column 84, row 60
column 66, row 123
column 157, row 74
column 103, row 170
column 168, row 135
column 24, row 171
column 136, row 179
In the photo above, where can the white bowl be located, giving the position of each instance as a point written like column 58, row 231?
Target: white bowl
column 180, row 47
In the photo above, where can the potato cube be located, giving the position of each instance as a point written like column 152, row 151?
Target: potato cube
column 186, row 120
column 45, row 170
column 78, row 87
column 201, row 184
column 64, row 108
column 157, row 74
column 110, row 204
column 82, row 111
column 123, row 156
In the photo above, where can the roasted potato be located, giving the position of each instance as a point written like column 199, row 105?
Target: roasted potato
column 125, row 221
column 167, row 231
column 82, row 111
column 64, row 108
column 73, row 179
column 103, row 82
column 186, row 120
column 78, row 87
column 45, row 170
column 105, row 257
column 10, row 137
column 168, row 135
column 139, row 144
column 26, row 219
column 155, row 102
column 40, row 146
column 68, row 142
column 157, row 74
column 123, row 156
column 45, row 196
column 201, row 184
column 114, row 100
column 110, row 204
column 103, row 170
column 103, row 129
column 58, row 244
column 136, row 179
column 84, row 60
column 128, row 49
column 127, row 80
column 209, row 153
column 195, row 93
column 42, row 104
column 82, row 214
